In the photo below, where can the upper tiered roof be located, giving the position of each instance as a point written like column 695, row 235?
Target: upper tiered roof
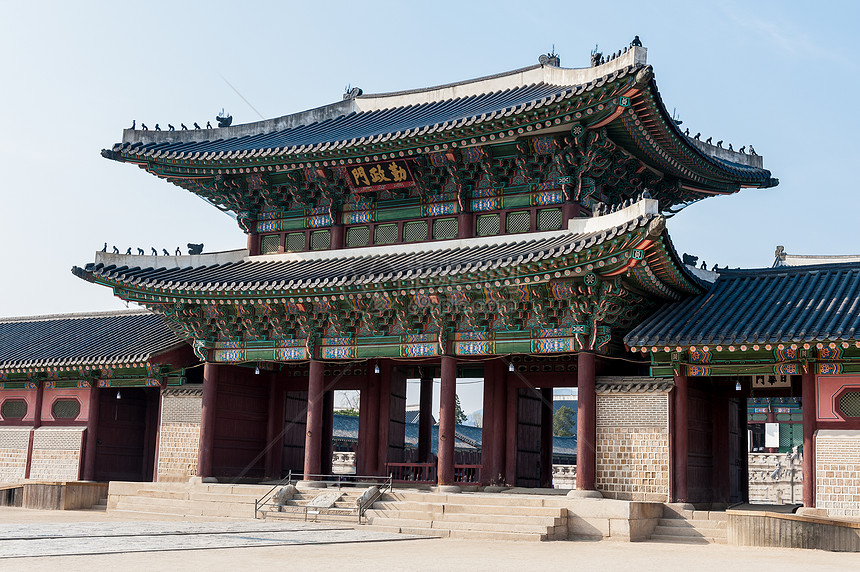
column 619, row 95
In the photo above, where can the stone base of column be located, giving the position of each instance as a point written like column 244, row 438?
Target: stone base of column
column 583, row 494
column 450, row 489
column 311, row 485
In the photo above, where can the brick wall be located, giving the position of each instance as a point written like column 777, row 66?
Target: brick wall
column 180, row 434
column 13, row 453
column 56, row 453
column 837, row 472
column 633, row 445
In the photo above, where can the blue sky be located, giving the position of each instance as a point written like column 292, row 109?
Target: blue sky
column 781, row 76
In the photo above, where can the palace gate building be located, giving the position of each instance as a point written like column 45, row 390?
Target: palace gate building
column 510, row 227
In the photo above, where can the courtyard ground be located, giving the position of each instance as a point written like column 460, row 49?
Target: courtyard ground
column 94, row 541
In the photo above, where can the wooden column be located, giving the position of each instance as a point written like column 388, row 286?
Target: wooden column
column 314, row 427
column 586, row 423
column 447, row 408
column 500, row 412
column 546, row 438
column 680, row 439
column 37, row 422
column 338, row 234
column 488, row 443
column 465, row 225
column 253, row 243
column 425, row 415
column 810, row 423
column 207, row 420
column 89, row 472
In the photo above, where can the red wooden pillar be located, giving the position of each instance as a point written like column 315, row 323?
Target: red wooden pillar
column 384, row 404
column 809, row 426
column 447, row 408
column 499, row 436
column 680, row 439
column 37, row 422
column 338, row 233
column 313, row 438
column 465, row 225
column 253, row 243
column 89, row 473
column 488, row 443
column 425, row 415
column 546, row 438
column 207, row 419
column 586, row 423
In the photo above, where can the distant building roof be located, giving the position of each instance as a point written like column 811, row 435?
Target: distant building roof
column 782, row 258
column 104, row 338
column 773, row 305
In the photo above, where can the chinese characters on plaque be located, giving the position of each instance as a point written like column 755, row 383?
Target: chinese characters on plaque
column 380, row 176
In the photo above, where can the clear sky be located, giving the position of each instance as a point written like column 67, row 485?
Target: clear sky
column 782, row 76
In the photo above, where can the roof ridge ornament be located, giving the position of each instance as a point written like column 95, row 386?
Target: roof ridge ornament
column 351, row 92
column 550, row 59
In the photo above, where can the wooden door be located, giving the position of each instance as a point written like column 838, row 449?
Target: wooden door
column 295, row 427
column 241, row 423
column 700, row 463
column 397, row 416
column 738, row 479
column 528, row 465
column 121, row 438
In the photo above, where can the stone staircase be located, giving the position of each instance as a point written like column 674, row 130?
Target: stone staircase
column 680, row 524
column 469, row 515
column 183, row 501
column 302, row 506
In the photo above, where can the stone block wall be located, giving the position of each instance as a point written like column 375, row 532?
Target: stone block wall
column 56, row 453
column 179, row 434
column 837, row 472
column 633, row 445
column 764, row 488
column 13, row 453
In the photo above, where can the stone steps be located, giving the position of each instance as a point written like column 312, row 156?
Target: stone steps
column 683, row 525
column 467, row 515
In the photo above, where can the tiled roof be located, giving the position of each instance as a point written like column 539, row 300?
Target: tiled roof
column 356, row 267
column 401, row 116
column 106, row 338
column 776, row 305
column 631, row 384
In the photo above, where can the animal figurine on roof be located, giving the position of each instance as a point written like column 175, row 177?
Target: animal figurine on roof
column 170, row 127
column 196, row 126
column 689, row 259
column 128, row 252
column 178, row 252
column 195, row 248
column 115, row 250
column 208, row 125
column 105, row 248
column 164, row 250
column 224, row 119
column 184, row 128
column 140, row 252
column 636, row 43
column 144, row 127
column 133, row 122
column 708, row 140
column 154, row 252
column 157, row 128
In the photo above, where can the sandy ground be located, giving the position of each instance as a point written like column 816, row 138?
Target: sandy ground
column 427, row 554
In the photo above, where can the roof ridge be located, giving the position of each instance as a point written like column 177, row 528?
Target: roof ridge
column 74, row 316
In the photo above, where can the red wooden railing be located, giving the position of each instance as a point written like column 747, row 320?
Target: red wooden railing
column 425, row 473
column 419, row 473
column 467, row 474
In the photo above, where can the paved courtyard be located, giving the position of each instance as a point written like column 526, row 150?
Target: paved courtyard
column 90, row 540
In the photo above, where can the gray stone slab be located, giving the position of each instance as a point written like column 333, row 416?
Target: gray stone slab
column 112, row 538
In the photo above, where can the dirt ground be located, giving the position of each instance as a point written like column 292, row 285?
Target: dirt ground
column 425, row 554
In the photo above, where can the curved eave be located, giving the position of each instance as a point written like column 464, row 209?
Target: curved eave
column 647, row 130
